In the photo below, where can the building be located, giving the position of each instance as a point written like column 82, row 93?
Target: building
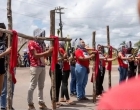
column 22, row 41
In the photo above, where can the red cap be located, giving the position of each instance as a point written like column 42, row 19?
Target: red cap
column 125, row 96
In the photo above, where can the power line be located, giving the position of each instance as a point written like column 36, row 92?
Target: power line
column 88, row 17
column 36, row 3
column 58, row 10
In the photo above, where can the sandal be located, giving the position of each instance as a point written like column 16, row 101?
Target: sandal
column 60, row 104
column 70, row 103
column 57, row 106
column 98, row 97
column 62, row 100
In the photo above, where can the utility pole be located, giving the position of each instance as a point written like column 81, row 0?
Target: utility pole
column 58, row 10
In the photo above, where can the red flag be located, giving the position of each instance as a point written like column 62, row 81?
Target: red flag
column 109, row 66
column 13, row 55
column 55, row 52
column 96, row 65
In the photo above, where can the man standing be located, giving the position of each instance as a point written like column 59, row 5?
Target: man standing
column 37, row 55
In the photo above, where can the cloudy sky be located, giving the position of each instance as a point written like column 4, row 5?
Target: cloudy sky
column 81, row 18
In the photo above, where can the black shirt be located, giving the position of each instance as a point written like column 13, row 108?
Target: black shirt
column 2, row 60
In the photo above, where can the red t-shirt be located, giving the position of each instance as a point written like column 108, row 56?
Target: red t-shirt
column 32, row 45
column 121, row 63
column 80, row 53
column 125, row 96
column 66, row 65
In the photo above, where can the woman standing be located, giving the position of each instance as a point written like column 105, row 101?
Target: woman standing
column 73, row 77
column 3, row 52
column 81, row 70
column 65, row 75
column 132, row 65
column 101, row 71
column 123, row 63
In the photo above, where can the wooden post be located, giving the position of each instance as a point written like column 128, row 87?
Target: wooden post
column 9, row 77
column 109, row 72
column 53, row 76
column 93, row 69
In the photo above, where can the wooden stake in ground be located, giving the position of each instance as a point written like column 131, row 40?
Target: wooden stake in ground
column 53, row 76
column 9, row 77
column 109, row 72
column 94, row 78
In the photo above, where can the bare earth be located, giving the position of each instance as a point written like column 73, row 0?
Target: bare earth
column 23, row 77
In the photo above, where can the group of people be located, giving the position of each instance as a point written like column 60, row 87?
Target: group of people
column 75, row 63
column 129, row 61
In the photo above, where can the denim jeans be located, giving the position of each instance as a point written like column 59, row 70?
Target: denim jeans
column 73, row 80
column 123, row 73
column 81, row 80
column 3, row 97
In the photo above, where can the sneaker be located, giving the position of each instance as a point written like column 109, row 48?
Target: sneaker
column 42, row 106
column 75, row 93
column 85, row 98
column 72, row 95
column 79, row 99
column 31, row 107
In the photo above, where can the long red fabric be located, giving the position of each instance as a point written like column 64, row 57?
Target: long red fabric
column 13, row 55
column 96, row 66
column 109, row 66
column 55, row 52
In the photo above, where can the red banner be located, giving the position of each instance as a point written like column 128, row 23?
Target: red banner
column 13, row 55
column 55, row 52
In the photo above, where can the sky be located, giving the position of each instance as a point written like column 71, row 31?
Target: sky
column 80, row 19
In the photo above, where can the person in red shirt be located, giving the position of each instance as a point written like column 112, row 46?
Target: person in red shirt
column 101, row 72
column 81, row 70
column 37, row 55
column 123, row 63
column 65, row 75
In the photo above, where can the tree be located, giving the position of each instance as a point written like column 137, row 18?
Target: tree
column 123, row 43
column 137, row 44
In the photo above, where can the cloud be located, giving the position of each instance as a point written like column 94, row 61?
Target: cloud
column 81, row 18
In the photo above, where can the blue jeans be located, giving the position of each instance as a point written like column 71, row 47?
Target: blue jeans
column 3, row 100
column 81, row 80
column 123, row 73
column 73, row 80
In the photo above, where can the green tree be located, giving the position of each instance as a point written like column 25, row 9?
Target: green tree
column 123, row 43
column 137, row 44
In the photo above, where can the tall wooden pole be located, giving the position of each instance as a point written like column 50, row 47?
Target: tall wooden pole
column 109, row 72
column 9, row 77
column 53, row 76
column 94, row 78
